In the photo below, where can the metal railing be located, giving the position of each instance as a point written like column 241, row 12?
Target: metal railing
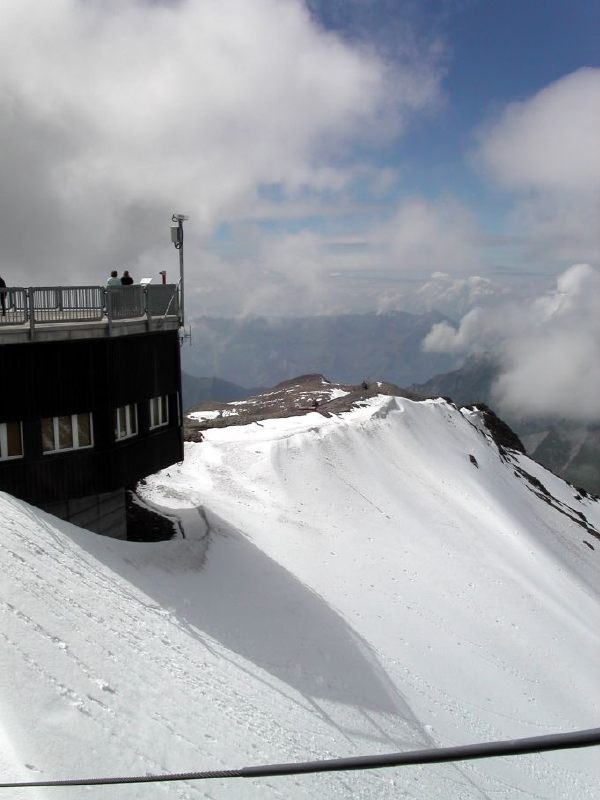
column 14, row 307
column 163, row 299
column 66, row 303
column 126, row 302
column 56, row 304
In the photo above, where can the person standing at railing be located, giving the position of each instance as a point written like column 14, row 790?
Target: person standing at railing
column 114, row 279
column 3, row 291
column 126, row 279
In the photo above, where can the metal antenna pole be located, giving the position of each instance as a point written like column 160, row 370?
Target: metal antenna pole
column 182, row 285
column 177, row 239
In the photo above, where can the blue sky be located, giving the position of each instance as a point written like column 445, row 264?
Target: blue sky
column 333, row 155
column 484, row 58
column 493, row 52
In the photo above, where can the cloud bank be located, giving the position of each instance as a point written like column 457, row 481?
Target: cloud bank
column 382, row 267
column 429, row 235
column 542, row 151
column 272, row 130
column 114, row 115
column 545, row 150
column 548, row 349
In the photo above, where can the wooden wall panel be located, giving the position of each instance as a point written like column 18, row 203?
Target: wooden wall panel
column 55, row 378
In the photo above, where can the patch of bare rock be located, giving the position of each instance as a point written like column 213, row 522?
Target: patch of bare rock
column 294, row 397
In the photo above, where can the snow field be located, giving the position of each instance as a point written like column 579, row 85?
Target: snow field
column 348, row 585
column 448, row 570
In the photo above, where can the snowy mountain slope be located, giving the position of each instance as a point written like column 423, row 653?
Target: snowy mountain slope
column 568, row 447
column 348, row 584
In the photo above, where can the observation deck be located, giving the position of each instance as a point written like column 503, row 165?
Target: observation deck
column 58, row 313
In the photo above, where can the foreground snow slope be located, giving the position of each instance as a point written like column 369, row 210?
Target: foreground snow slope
column 348, row 585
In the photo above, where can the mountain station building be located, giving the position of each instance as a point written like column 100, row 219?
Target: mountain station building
column 90, row 398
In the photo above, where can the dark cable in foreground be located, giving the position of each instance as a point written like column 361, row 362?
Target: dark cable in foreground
column 510, row 747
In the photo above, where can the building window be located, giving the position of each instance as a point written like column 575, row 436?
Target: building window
column 11, row 440
column 159, row 411
column 68, row 432
column 126, row 421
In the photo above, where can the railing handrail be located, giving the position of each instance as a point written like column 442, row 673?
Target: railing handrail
column 55, row 304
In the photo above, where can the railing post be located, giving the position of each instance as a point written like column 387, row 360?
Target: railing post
column 147, row 307
column 108, row 308
column 30, row 311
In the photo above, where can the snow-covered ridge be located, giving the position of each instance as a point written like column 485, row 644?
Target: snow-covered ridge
column 368, row 581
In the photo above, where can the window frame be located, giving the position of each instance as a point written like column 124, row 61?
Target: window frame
column 4, row 440
column 130, row 431
column 74, row 433
column 163, row 406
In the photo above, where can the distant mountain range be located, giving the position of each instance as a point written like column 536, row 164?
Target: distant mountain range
column 198, row 390
column 258, row 352
column 570, row 449
column 347, row 348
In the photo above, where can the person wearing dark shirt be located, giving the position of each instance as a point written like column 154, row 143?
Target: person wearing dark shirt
column 126, row 279
column 3, row 295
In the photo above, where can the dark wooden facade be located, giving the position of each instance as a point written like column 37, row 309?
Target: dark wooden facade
column 97, row 375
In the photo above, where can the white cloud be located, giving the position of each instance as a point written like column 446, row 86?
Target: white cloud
column 545, row 149
column 450, row 295
column 312, row 272
column 113, row 115
column 548, row 347
column 477, row 332
column 286, row 274
column 455, row 296
column 549, row 142
column 558, row 228
column 430, row 235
